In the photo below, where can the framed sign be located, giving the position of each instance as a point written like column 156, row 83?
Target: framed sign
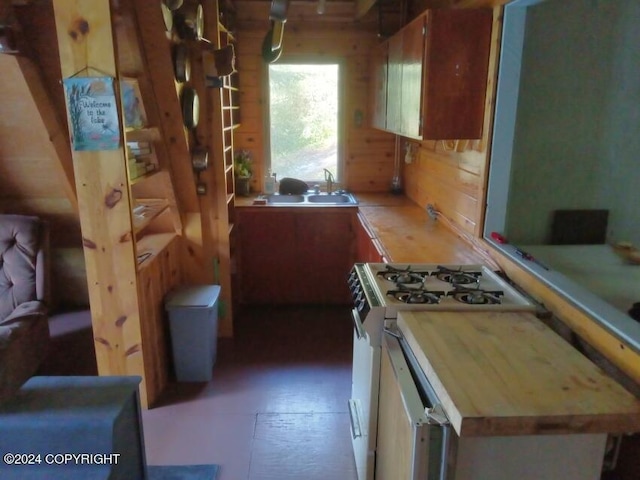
column 134, row 114
column 93, row 113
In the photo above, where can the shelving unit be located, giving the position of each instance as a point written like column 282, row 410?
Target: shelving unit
column 130, row 218
column 224, row 103
column 135, row 243
column 149, row 216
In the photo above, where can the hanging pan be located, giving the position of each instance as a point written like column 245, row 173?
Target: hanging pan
column 190, row 107
column 269, row 53
column 190, row 21
column 199, row 159
column 181, row 63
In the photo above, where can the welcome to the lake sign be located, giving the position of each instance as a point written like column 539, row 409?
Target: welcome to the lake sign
column 93, row 113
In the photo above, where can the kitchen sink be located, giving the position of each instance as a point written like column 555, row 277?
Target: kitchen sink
column 332, row 198
column 312, row 199
column 276, row 198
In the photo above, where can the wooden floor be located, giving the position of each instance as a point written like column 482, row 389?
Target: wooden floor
column 276, row 407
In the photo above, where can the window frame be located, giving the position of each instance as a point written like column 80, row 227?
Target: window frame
column 340, row 168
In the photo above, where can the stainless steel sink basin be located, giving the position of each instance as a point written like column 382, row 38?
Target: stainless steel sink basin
column 312, row 199
column 285, row 198
column 334, row 198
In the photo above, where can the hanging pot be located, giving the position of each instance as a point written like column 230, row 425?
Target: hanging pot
column 190, row 21
column 173, row 4
column 199, row 159
column 278, row 10
column 269, row 54
column 181, row 63
column 190, row 107
column 167, row 16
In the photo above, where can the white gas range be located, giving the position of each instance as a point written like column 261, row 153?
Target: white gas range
column 379, row 291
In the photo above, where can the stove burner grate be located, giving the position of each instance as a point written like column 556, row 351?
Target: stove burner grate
column 416, row 296
column 403, row 276
column 457, row 277
column 472, row 296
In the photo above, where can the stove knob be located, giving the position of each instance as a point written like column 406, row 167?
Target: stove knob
column 360, row 305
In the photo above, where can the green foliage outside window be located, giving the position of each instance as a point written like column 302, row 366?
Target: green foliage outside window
column 303, row 117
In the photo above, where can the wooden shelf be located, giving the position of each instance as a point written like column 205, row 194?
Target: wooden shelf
column 147, row 134
column 149, row 246
column 225, row 32
column 144, row 177
column 145, row 211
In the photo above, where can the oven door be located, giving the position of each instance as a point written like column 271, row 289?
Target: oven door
column 412, row 443
column 363, row 404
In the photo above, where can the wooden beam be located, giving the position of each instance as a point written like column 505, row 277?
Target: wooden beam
column 59, row 147
column 156, row 52
column 85, row 40
column 363, row 7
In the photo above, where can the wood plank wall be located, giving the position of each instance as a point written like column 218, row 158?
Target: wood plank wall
column 368, row 153
column 32, row 141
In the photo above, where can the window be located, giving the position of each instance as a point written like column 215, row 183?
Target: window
column 303, row 127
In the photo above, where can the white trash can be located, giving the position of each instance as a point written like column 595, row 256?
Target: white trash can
column 193, row 321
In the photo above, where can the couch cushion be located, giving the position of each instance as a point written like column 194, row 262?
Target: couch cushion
column 20, row 242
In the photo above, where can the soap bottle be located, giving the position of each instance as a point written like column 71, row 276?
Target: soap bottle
column 269, row 183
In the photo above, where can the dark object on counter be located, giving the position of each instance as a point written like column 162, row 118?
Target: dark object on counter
column 634, row 311
column 579, row 227
column 292, row 186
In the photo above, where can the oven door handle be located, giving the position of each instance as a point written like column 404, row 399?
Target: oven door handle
column 354, row 417
column 357, row 323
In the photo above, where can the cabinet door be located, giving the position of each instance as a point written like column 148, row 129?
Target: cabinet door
column 413, row 47
column 368, row 249
column 325, row 244
column 394, row 84
column 456, row 68
column 295, row 257
column 379, row 86
column 267, row 263
column 363, row 241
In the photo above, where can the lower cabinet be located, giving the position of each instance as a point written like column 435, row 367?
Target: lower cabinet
column 368, row 249
column 295, row 255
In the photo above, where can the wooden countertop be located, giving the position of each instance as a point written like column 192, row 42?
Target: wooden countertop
column 406, row 232
column 509, row 374
column 409, row 235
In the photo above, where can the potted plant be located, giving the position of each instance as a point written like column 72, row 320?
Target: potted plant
column 242, row 166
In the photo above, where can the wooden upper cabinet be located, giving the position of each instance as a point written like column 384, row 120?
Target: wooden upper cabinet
column 379, row 86
column 436, row 78
column 455, row 73
column 413, row 46
column 394, row 85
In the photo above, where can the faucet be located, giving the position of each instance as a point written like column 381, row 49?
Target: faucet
column 328, row 177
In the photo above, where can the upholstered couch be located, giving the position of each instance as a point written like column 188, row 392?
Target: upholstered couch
column 24, row 329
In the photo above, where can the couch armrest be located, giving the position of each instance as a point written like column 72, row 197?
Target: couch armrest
column 24, row 312
column 24, row 337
